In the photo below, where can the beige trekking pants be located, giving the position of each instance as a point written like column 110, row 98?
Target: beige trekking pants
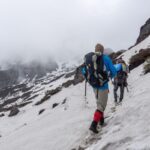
column 101, row 99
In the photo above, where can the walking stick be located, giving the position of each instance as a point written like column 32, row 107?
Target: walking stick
column 127, row 89
column 85, row 88
column 86, row 102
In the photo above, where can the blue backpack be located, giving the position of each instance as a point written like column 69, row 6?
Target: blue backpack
column 96, row 73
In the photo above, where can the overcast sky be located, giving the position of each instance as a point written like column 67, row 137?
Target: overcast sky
column 39, row 28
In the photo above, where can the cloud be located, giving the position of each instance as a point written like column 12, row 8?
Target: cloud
column 65, row 28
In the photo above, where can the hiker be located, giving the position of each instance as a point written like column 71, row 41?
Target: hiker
column 120, row 81
column 97, row 70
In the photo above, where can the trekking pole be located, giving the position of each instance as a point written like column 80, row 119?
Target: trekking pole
column 86, row 102
column 127, row 89
column 85, row 88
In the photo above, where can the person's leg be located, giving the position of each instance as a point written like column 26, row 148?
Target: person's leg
column 102, row 100
column 115, row 92
column 121, row 92
column 101, row 97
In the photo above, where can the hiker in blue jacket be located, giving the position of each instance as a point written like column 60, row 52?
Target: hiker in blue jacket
column 98, row 68
column 120, row 81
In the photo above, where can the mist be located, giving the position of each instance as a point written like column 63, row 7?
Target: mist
column 66, row 29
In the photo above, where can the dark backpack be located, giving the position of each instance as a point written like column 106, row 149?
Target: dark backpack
column 121, row 78
column 96, row 74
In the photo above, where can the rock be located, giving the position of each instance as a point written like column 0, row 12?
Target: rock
column 45, row 98
column 56, row 78
column 147, row 66
column 70, row 74
column 68, row 83
column 41, row 111
column 78, row 78
column 2, row 115
column 64, row 101
column 139, row 58
column 14, row 111
column 55, row 105
column 48, row 95
column 54, row 91
column 144, row 31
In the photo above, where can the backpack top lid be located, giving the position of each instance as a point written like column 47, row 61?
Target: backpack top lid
column 118, row 67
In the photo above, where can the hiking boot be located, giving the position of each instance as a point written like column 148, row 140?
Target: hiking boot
column 120, row 100
column 102, row 122
column 116, row 103
column 93, row 127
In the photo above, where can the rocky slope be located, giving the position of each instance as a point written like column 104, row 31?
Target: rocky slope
column 14, row 73
column 144, row 31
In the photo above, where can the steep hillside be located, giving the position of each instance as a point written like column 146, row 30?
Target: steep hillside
column 62, row 121
column 50, row 112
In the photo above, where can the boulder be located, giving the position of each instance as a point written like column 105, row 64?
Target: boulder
column 139, row 58
column 55, row 105
column 41, row 111
column 14, row 111
column 2, row 115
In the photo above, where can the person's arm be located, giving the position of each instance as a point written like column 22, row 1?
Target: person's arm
column 110, row 67
column 83, row 71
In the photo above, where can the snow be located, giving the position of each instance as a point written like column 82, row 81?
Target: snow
column 65, row 126
column 129, row 128
column 54, row 128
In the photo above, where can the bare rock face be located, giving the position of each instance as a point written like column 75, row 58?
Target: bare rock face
column 19, row 71
column 14, row 111
column 78, row 78
column 144, row 31
column 139, row 58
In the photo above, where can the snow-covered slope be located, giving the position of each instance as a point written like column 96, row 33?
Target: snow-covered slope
column 128, row 128
column 65, row 126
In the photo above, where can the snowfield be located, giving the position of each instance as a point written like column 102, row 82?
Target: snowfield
column 65, row 126
column 129, row 129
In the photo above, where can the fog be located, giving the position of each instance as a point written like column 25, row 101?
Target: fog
column 37, row 29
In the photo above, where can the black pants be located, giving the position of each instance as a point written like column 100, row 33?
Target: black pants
column 116, row 86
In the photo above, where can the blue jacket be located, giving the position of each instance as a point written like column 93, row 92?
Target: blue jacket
column 110, row 69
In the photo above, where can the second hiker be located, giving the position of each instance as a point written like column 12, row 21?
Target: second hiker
column 120, row 81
